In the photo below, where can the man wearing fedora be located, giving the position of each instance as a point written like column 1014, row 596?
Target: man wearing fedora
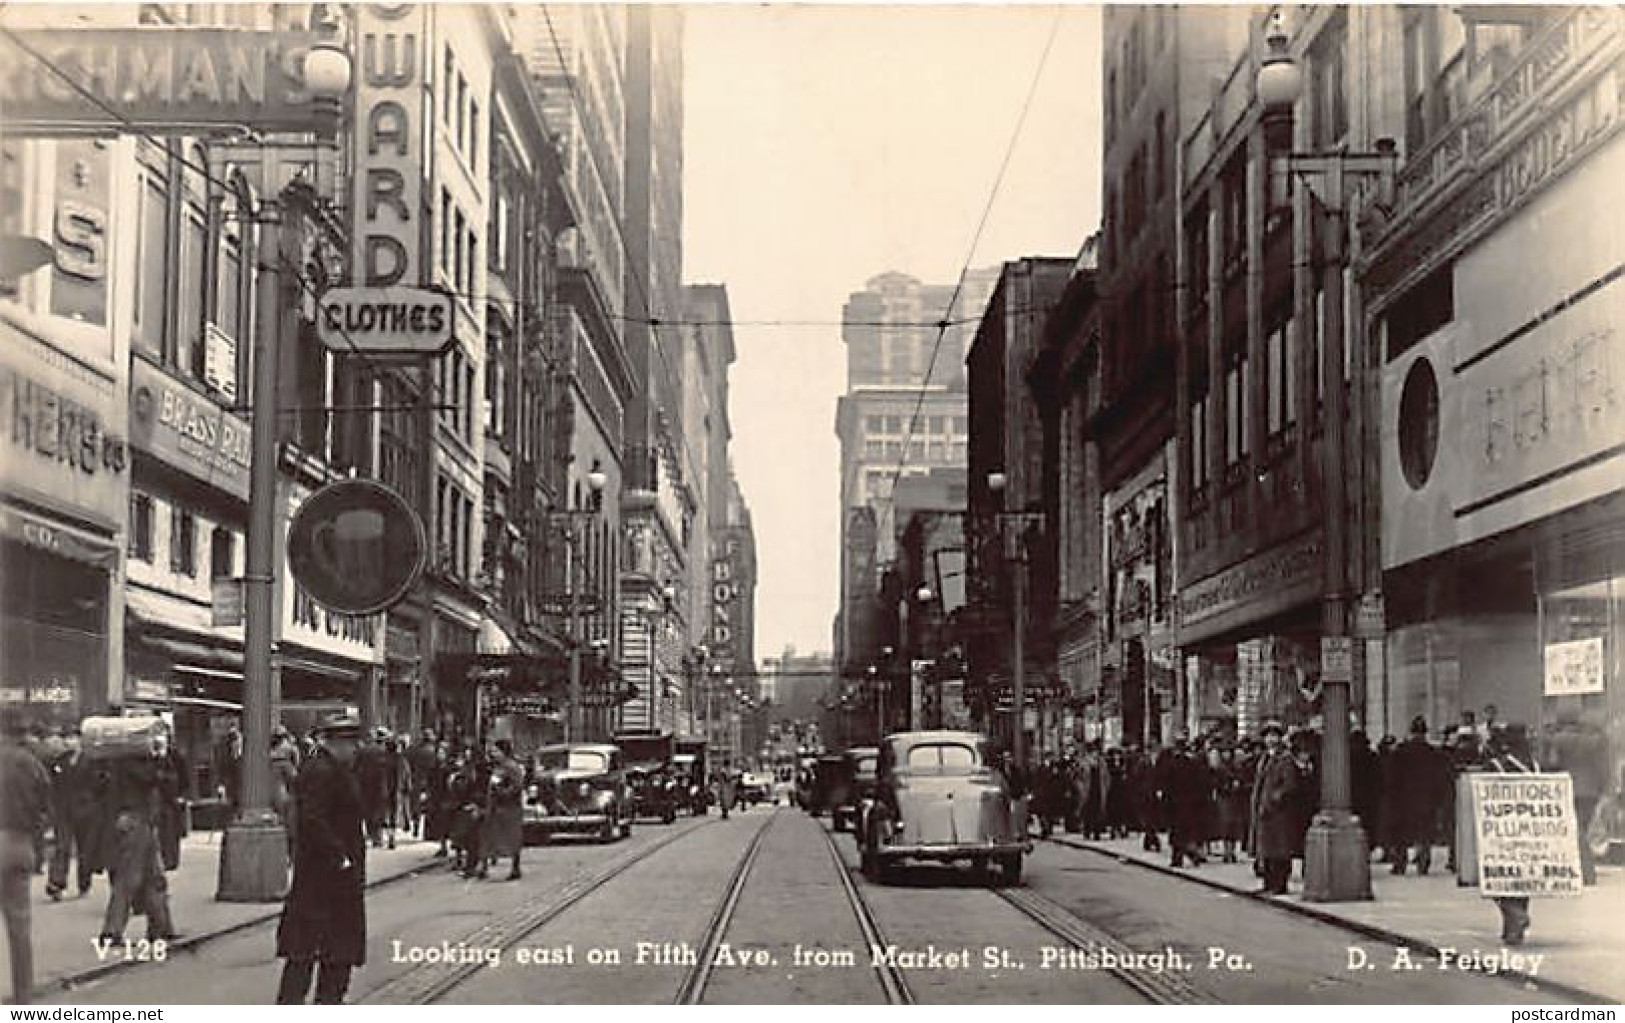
column 1274, row 810
column 323, row 931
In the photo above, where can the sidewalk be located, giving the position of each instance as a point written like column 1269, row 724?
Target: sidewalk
column 1580, row 939
column 64, row 931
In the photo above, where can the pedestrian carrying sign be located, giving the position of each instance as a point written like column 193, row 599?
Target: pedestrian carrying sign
column 1523, row 838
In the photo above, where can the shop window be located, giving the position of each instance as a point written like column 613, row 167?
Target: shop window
column 222, row 549
column 141, row 528
column 182, row 542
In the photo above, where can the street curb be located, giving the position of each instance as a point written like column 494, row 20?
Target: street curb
column 1372, row 931
column 192, row 942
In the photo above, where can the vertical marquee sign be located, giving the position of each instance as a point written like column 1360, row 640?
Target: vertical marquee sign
column 724, row 598
column 389, row 144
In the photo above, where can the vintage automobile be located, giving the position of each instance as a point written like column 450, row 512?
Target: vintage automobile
column 654, row 790
column 862, row 761
column 754, row 788
column 831, row 786
column 939, row 798
column 688, row 771
column 577, row 788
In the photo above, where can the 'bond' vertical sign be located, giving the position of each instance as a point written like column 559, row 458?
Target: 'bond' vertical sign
column 389, row 143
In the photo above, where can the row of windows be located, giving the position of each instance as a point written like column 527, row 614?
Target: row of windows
column 183, row 539
column 454, row 384
column 459, row 246
column 454, row 525
column 927, row 424
column 918, row 450
column 1285, row 349
column 460, row 112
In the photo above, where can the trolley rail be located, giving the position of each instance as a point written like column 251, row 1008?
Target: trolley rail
column 890, row 977
column 428, row 983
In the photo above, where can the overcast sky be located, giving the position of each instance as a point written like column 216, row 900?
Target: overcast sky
column 825, row 145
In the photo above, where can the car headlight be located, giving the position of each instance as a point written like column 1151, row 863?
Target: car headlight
column 584, row 790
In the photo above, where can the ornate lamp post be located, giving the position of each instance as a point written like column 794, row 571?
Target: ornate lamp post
column 1337, row 865
column 254, row 848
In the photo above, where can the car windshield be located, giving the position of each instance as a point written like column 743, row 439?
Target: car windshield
column 939, row 756
column 575, row 760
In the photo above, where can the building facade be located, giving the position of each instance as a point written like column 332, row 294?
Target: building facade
column 903, row 414
column 1008, row 438
column 1159, row 67
column 1494, row 414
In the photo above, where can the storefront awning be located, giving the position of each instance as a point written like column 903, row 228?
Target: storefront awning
column 57, row 538
column 494, row 638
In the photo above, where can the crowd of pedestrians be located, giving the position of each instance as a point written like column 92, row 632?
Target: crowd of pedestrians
column 1218, row 797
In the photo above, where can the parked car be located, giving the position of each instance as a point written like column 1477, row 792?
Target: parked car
column 577, row 788
column 939, row 798
column 862, row 760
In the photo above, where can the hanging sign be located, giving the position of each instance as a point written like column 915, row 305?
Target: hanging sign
column 386, row 321
column 1574, row 668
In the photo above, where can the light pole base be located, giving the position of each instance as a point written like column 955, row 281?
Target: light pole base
column 1336, row 859
column 253, row 861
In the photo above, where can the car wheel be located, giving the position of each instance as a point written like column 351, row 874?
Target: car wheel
column 1010, row 870
column 608, row 830
column 979, row 871
column 670, row 816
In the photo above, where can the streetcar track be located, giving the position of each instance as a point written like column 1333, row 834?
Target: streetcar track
column 1161, row 987
column 891, row 978
column 427, row 983
column 692, row 990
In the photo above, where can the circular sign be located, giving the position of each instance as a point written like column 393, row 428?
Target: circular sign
column 356, row 547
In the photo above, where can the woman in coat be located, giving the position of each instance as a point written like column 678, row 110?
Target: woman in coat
column 324, row 919
column 437, row 808
column 504, row 836
column 1274, row 811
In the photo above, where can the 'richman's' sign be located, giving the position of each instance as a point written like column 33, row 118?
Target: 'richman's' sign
column 158, row 79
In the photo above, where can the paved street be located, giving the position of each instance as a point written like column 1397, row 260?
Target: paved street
column 672, row 898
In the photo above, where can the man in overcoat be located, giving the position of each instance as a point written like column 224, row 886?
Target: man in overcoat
column 76, row 818
column 324, row 918
column 1187, row 792
column 1274, row 810
column 1415, row 786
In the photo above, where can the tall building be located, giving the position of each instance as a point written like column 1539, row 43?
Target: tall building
column 577, row 53
column 1160, row 68
column 1008, row 437
column 890, row 330
column 662, row 496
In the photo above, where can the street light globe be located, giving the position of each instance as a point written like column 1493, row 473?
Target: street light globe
column 597, row 479
column 996, row 482
column 327, row 71
column 1280, row 79
column 924, row 594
